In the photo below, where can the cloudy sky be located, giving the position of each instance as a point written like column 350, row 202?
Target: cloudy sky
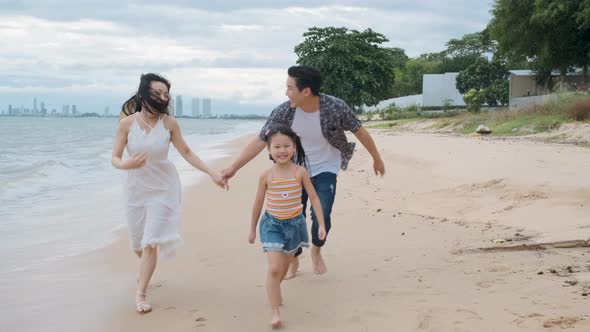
column 92, row 52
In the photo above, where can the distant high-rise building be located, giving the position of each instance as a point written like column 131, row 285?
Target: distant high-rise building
column 178, row 109
column 74, row 110
column 195, row 107
column 43, row 110
column 207, row 107
column 9, row 109
column 35, row 105
column 65, row 110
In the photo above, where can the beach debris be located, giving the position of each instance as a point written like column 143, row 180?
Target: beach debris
column 379, row 210
column 200, row 319
column 403, row 233
column 570, row 283
column 499, row 241
column 562, row 322
column 484, row 130
column 554, row 271
column 540, row 273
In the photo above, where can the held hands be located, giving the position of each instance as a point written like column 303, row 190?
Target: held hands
column 219, row 180
column 379, row 167
column 322, row 233
column 228, row 173
column 252, row 236
column 136, row 160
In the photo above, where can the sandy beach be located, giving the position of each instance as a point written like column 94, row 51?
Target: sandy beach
column 461, row 234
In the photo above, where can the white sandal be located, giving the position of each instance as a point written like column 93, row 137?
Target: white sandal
column 143, row 307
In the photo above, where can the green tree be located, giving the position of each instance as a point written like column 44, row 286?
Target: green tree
column 408, row 80
column 489, row 78
column 473, row 98
column 460, row 54
column 353, row 64
column 457, row 63
column 479, row 43
column 552, row 33
column 481, row 74
column 399, row 57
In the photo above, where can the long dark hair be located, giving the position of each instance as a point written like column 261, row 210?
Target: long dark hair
column 299, row 157
column 145, row 97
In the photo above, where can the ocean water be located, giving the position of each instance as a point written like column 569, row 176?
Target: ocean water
column 59, row 194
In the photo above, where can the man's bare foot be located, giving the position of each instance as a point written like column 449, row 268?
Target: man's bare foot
column 275, row 320
column 293, row 267
column 319, row 267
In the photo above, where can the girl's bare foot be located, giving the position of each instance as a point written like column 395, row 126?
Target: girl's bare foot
column 275, row 320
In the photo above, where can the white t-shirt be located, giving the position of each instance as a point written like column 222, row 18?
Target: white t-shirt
column 321, row 155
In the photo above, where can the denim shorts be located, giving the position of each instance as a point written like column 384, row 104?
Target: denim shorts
column 284, row 235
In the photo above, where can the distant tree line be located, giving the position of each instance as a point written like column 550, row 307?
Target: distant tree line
column 540, row 35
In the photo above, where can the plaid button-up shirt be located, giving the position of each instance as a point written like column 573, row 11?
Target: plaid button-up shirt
column 335, row 118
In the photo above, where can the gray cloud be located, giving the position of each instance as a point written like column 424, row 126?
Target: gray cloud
column 231, row 50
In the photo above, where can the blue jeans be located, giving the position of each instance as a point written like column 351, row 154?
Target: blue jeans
column 325, row 186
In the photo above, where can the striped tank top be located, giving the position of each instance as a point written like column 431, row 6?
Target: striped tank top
column 283, row 197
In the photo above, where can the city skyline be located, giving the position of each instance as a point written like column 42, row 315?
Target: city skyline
column 67, row 110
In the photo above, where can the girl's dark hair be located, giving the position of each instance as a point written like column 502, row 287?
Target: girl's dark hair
column 145, row 97
column 299, row 156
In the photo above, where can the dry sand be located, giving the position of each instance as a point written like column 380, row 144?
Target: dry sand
column 448, row 240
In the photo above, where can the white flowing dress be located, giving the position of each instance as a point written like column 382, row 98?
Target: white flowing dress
column 153, row 192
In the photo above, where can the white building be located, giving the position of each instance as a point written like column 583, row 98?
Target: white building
column 439, row 89
column 195, row 107
column 178, row 110
column 207, row 107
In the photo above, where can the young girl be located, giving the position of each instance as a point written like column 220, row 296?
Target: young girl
column 282, row 228
column 153, row 188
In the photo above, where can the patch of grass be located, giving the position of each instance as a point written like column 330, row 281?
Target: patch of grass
column 441, row 124
column 392, row 124
column 560, row 109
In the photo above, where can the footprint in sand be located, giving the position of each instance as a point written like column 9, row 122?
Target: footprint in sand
column 485, row 284
column 470, row 313
column 424, row 321
column 522, row 320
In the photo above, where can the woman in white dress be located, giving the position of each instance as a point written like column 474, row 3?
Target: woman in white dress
column 153, row 191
